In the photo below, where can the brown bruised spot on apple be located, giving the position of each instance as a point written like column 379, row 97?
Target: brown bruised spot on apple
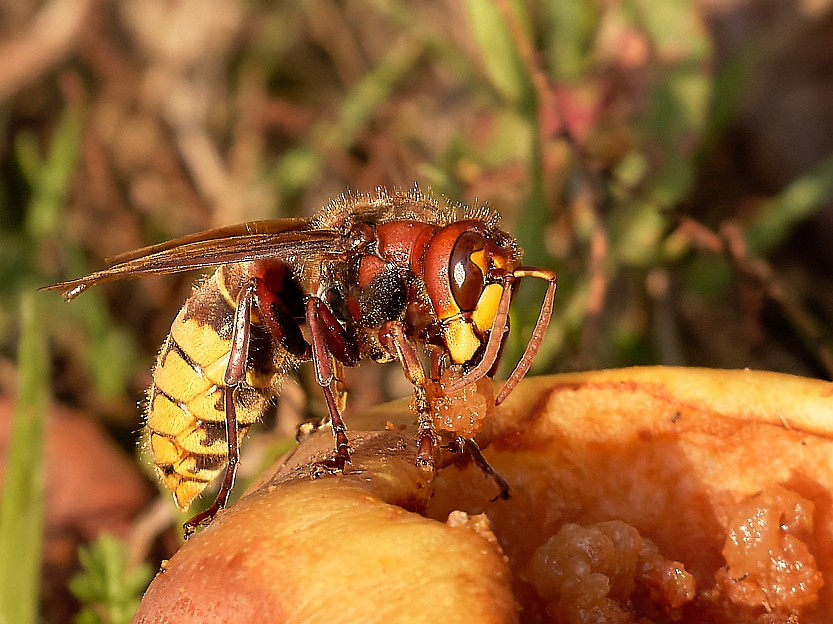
column 638, row 495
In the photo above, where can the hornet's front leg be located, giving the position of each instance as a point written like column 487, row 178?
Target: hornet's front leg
column 470, row 449
column 467, row 448
column 393, row 338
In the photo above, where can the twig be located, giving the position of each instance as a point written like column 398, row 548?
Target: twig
column 548, row 126
column 154, row 520
column 598, row 292
column 730, row 242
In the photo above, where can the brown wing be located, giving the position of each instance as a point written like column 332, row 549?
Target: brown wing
column 272, row 226
column 258, row 240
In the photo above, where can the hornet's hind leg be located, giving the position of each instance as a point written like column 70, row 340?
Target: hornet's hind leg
column 233, row 377
column 286, row 332
column 331, row 346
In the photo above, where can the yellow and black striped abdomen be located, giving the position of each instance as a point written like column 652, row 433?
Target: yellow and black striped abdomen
column 186, row 422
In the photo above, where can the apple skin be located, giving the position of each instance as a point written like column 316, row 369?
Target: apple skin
column 306, row 544
column 673, row 452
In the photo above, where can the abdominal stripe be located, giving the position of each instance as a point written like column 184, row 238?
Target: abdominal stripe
column 173, row 345
column 211, row 431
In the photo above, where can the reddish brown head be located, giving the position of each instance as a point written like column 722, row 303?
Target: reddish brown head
column 464, row 266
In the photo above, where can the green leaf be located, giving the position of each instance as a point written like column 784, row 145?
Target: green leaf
column 676, row 28
column 302, row 165
column 571, row 28
column 22, row 505
column 107, row 584
column 500, row 55
column 50, row 177
column 794, row 204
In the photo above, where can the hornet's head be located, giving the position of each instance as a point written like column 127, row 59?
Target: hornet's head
column 465, row 265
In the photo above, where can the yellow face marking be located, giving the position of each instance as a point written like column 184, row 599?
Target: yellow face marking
column 479, row 258
column 484, row 314
column 460, row 340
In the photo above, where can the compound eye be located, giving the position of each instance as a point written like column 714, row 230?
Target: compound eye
column 465, row 275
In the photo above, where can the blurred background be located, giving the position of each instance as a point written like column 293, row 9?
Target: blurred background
column 672, row 160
